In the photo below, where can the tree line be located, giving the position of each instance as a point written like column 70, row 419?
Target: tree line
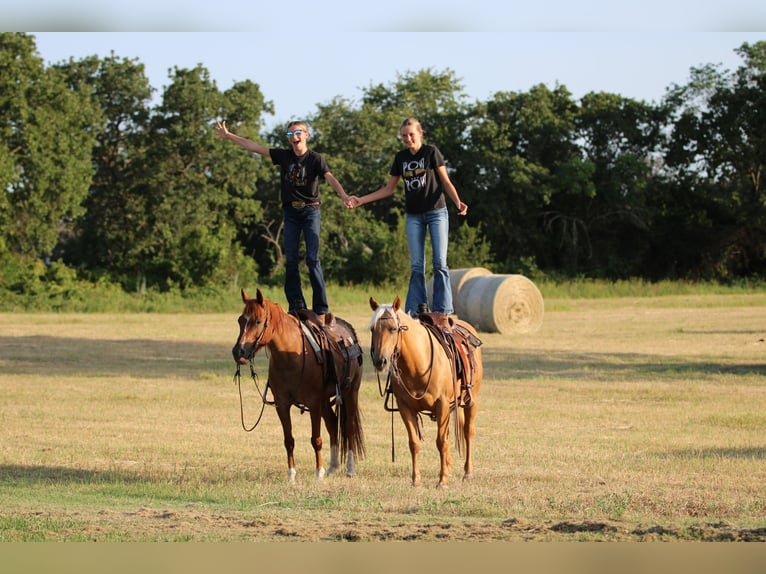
column 101, row 181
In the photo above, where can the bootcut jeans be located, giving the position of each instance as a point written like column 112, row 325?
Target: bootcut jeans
column 436, row 224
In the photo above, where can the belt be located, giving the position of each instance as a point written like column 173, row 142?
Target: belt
column 302, row 204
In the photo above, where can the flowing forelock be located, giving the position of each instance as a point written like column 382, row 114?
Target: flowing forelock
column 379, row 312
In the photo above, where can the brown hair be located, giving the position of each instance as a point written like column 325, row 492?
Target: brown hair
column 299, row 123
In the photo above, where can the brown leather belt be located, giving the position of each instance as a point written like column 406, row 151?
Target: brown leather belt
column 302, row 204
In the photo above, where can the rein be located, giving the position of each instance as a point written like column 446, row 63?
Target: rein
column 264, row 402
column 395, row 357
column 388, row 392
column 253, row 375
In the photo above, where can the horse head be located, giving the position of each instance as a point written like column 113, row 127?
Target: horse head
column 385, row 327
column 253, row 323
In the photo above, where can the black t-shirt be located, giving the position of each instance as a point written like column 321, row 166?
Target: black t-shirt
column 423, row 189
column 299, row 175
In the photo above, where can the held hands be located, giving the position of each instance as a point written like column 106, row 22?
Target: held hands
column 352, row 202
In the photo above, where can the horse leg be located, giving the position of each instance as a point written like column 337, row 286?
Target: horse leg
column 468, row 433
column 316, row 442
column 442, row 412
column 351, row 427
column 287, row 430
column 331, row 424
column 411, row 424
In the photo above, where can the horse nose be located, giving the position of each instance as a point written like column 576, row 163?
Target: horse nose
column 239, row 354
column 379, row 362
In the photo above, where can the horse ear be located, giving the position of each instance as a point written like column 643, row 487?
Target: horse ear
column 244, row 296
column 397, row 303
column 259, row 296
column 373, row 303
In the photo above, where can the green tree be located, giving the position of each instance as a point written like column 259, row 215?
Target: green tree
column 524, row 157
column 194, row 200
column 45, row 162
column 716, row 154
column 244, row 177
column 620, row 139
column 109, row 232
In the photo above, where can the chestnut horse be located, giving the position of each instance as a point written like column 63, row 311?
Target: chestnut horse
column 298, row 378
column 421, row 377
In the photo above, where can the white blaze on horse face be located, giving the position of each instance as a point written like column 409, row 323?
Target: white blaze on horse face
column 378, row 313
column 243, row 322
column 382, row 350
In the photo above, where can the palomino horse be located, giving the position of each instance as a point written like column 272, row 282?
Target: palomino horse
column 313, row 378
column 422, row 377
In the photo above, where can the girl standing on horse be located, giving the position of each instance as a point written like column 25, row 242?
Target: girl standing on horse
column 426, row 182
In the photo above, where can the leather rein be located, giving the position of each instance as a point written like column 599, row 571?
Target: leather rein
column 254, row 376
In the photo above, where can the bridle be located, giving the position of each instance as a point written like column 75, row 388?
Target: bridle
column 257, row 343
column 253, row 375
column 395, row 357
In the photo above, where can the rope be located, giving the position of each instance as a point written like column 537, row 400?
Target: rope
column 238, row 380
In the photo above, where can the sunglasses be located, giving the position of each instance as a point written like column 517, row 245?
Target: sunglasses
column 296, row 132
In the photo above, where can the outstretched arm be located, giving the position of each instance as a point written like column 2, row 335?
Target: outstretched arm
column 249, row 145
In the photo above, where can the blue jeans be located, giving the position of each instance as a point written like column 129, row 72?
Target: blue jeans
column 436, row 223
column 307, row 221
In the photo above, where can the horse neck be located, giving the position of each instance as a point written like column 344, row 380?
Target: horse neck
column 283, row 332
column 415, row 344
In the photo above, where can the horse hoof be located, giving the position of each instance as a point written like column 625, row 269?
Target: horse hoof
column 441, row 486
column 468, row 477
column 320, row 474
column 291, row 475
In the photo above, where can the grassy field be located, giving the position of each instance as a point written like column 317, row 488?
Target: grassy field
column 622, row 419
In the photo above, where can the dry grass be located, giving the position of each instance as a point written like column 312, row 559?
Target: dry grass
column 619, row 420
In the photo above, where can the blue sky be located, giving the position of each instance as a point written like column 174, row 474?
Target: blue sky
column 343, row 16
column 299, row 70
column 304, row 52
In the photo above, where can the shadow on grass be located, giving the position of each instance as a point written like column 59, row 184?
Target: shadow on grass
column 65, row 356
column 734, row 453
column 160, row 358
column 605, row 366
column 26, row 475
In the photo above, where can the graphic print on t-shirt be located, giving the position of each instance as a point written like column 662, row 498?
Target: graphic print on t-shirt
column 414, row 174
column 296, row 175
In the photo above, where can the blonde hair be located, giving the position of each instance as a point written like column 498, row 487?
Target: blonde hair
column 411, row 121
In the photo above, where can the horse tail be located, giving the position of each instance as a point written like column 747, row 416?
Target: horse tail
column 348, row 371
column 351, row 432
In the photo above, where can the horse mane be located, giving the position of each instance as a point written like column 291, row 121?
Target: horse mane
column 348, row 326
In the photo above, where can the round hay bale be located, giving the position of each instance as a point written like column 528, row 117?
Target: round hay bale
column 457, row 278
column 503, row 304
